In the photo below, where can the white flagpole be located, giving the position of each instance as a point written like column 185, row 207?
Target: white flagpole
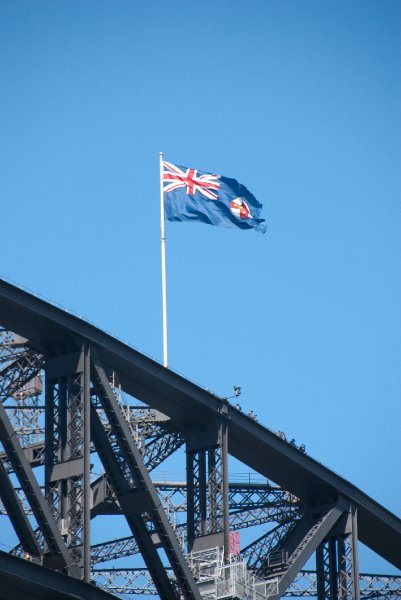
column 163, row 252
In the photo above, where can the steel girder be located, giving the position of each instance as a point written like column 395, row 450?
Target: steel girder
column 18, row 517
column 136, row 494
column 67, row 450
column 50, row 329
column 24, row 580
column 207, row 491
column 303, row 540
column 270, row 503
column 156, row 439
column 337, row 562
column 17, row 373
column 66, row 395
column 56, row 547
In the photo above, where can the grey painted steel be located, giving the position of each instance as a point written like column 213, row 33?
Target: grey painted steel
column 23, row 580
column 121, row 488
column 17, row 515
column 356, row 591
column 134, row 581
column 250, row 505
column 306, row 544
column 208, row 495
column 38, row 504
column 337, row 564
column 86, row 545
column 137, row 495
column 225, row 492
column 47, row 327
column 18, row 373
column 65, row 445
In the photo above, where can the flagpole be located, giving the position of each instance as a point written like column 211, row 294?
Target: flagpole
column 163, row 256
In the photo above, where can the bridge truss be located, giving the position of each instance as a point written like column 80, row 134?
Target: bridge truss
column 84, row 423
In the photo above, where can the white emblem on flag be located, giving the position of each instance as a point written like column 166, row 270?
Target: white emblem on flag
column 240, row 208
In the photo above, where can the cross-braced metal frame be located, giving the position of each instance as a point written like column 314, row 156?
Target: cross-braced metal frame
column 67, row 451
column 61, row 410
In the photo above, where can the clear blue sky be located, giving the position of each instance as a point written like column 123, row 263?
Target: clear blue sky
column 299, row 100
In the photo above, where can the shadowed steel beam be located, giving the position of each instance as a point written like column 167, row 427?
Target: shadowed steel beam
column 17, row 515
column 23, row 579
column 306, row 542
column 40, row 508
column 162, row 389
column 266, row 511
column 87, row 495
column 158, row 443
column 67, row 450
column 136, row 494
column 137, row 525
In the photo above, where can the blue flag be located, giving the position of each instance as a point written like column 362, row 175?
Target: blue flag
column 193, row 195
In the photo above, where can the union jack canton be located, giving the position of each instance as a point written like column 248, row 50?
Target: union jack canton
column 193, row 195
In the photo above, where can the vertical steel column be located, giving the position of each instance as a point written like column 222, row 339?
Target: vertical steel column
column 333, row 568
column 320, row 573
column 67, row 449
column 87, row 467
column 337, row 561
column 191, row 498
column 355, row 554
column 214, row 489
column 54, row 394
column 202, row 493
column 136, row 493
column 348, row 570
column 207, row 492
column 196, row 496
column 225, row 491
column 326, row 570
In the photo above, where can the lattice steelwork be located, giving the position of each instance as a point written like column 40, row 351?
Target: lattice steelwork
column 270, row 543
column 346, row 579
column 271, row 505
column 216, row 489
column 18, row 365
column 326, row 570
column 196, row 477
column 26, row 413
column 130, row 441
column 66, row 476
column 207, row 492
column 135, row 492
column 337, row 562
column 20, row 384
column 137, row 581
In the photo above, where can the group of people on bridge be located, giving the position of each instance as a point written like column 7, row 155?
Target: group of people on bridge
column 282, row 435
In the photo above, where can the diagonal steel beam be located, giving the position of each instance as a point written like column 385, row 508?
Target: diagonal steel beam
column 30, row 486
column 17, row 515
column 136, row 493
column 122, row 488
column 304, row 539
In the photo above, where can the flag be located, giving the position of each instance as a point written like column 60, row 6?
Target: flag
column 193, row 195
